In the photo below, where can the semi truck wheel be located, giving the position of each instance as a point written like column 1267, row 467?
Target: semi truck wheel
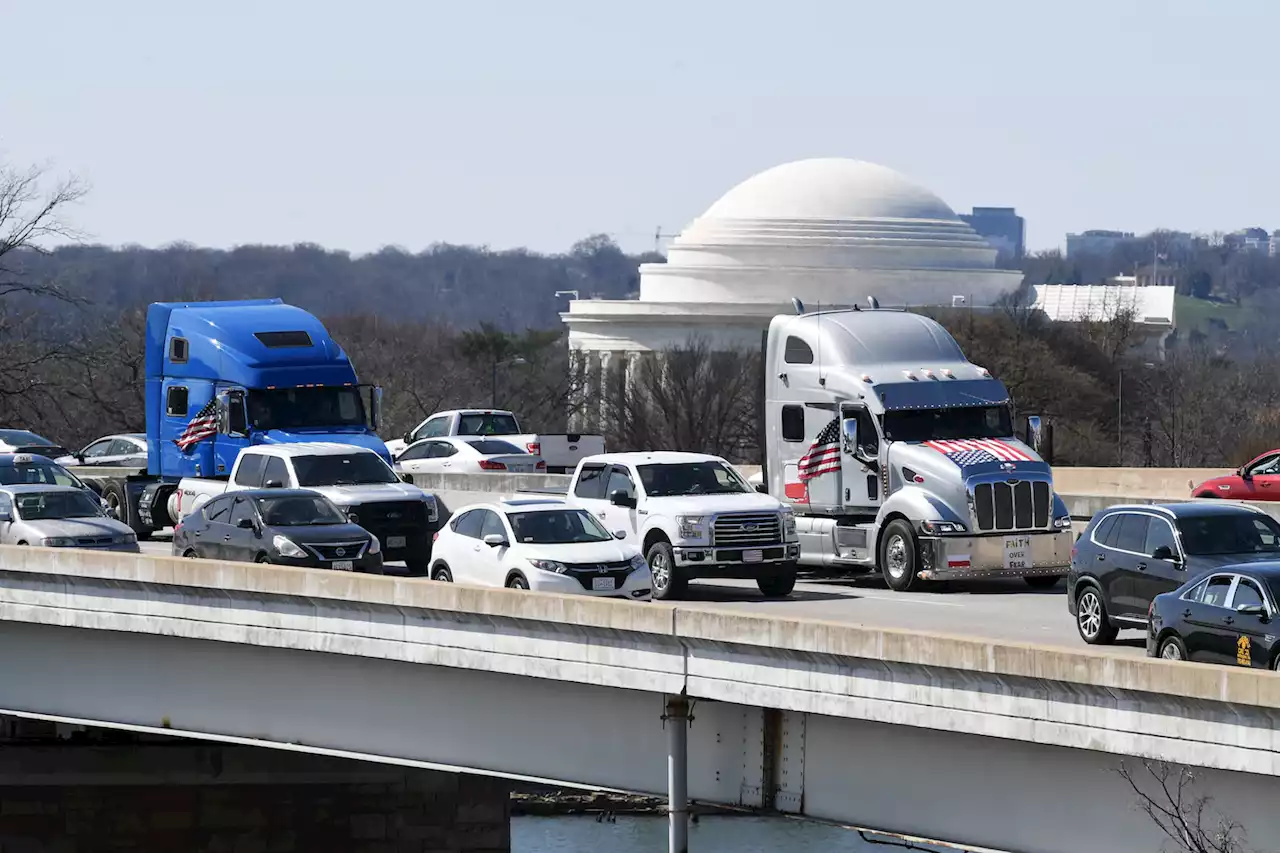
column 900, row 556
column 118, row 505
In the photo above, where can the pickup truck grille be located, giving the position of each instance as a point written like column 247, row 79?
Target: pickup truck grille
column 745, row 529
column 391, row 513
column 1020, row 505
column 329, row 550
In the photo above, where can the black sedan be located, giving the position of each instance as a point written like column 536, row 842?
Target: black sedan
column 1226, row 617
column 288, row 527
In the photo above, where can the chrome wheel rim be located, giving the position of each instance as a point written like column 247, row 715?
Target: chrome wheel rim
column 659, row 570
column 896, row 557
column 1090, row 617
column 1171, row 651
column 113, row 506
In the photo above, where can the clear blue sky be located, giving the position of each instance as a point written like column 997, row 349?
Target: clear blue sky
column 534, row 124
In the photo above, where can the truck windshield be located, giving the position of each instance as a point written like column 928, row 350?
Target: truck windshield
column 556, row 527
column 691, row 478
column 484, row 423
column 300, row 408
column 36, row 506
column 947, row 424
column 342, row 469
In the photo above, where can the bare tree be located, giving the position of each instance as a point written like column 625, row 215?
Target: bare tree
column 1166, row 796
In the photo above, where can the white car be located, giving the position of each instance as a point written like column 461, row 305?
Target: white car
column 541, row 544
column 126, row 450
column 25, row 441
column 467, row 455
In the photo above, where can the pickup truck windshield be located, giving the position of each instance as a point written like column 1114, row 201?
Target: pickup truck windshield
column 691, row 478
column 299, row 408
column 485, row 424
column 945, row 424
column 36, row 506
column 342, row 469
column 556, row 527
column 1207, row 535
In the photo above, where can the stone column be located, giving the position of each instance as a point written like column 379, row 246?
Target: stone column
column 578, row 390
column 603, row 389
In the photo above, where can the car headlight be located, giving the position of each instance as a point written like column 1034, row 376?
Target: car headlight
column 638, row 563
column 548, row 566
column 125, row 539
column 1062, row 522
column 691, row 526
column 937, row 527
column 287, row 547
column 789, row 525
column 375, row 547
column 58, row 542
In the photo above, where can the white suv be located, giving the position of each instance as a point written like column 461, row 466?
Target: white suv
column 541, row 544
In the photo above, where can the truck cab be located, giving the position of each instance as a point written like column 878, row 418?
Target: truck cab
column 693, row 516
column 898, row 454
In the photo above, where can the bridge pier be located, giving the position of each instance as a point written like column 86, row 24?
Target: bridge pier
column 676, row 719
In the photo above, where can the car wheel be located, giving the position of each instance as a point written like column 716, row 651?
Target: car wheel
column 190, row 554
column 1043, row 581
column 1173, row 649
column 442, row 574
column 263, row 558
column 668, row 581
column 779, row 585
column 1092, row 620
column 899, row 553
column 517, row 582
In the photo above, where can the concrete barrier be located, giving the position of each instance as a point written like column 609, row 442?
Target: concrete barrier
column 1164, row 483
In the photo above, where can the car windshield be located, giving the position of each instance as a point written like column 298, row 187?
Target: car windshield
column 489, row 447
column 948, row 424
column 487, row 424
column 556, row 527
column 20, row 437
column 342, row 469
column 298, row 511
column 36, row 506
column 1234, row 533
column 300, row 408
column 37, row 473
column 691, row 478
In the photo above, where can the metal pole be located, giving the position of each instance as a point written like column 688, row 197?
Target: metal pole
column 677, row 723
column 1120, row 420
column 493, row 394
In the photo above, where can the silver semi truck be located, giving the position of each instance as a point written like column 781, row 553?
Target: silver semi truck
column 899, row 455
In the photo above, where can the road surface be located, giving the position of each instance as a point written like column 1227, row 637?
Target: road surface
column 998, row 610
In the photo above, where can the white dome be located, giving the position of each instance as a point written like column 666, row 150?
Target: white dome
column 829, row 188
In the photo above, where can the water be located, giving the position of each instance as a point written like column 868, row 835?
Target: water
column 644, row 834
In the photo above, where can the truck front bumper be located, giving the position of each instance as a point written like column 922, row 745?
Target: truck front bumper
column 1012, row 555
column 708, row 561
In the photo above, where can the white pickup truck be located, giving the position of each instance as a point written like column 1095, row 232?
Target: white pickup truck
column 693, row 516
column 403, row 517
column 561, row 451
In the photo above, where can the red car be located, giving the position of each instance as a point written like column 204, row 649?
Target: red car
column 1257, row 481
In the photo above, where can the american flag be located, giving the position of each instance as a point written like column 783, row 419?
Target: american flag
column 203, row 425
column 824, row 454
column 975, row 451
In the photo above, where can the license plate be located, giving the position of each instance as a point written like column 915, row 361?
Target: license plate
column 602, row 584
column 1017, row 552
column 752, row 556
column 395, row 541
column 342, row 565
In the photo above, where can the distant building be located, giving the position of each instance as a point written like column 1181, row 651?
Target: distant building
column 1158, row 275
column 1151, row 308
column 1096, row 242
column 1273, row 245
column 1249, row 240
column 1002, row 227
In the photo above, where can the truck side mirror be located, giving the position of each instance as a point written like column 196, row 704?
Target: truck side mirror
column 849, row 429
column 376, row 414
column 273, row 484
column 620, row 498
column 1035, row 432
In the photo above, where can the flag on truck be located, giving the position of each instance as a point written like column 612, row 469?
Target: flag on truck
column 823, row 455
column 975, row 451
column 203, row 425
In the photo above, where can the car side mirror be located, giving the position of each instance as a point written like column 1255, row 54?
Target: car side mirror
column 406, row 478
column 273, row 484
column 619, row 534
column 762, row 488
column 407, row 438
column 495, row 540
column 246, row 524
column 620, row 498
column 1164, row 552
column 1251, row 610
column 1244, row 475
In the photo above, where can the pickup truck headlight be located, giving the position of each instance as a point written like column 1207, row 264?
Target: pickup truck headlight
column 789, row 526
column 942, row 527
column 691, row 526
column 432, row 512
column 548, row 566
column 58, row 542
column 638, row 563
column 287, row 547
column 1062, row 522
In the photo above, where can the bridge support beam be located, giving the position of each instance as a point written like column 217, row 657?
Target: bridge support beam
column 676, row 719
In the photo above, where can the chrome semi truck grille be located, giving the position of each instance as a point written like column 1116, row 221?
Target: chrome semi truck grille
column 1021, row 505
column 743, row 529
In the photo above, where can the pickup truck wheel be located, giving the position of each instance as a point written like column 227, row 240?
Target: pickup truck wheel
column 419, row 567
column 668, row 581
column 899, row 554
column 779, row 585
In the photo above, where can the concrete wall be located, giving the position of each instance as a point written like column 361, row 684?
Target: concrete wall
column 1164, row 483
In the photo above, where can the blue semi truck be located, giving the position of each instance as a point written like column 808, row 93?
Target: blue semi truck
column 222, row 376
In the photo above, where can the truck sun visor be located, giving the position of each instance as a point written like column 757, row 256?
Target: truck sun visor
column 278, row 340
column 933, row 395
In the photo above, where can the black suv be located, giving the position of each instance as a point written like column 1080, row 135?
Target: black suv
column 1130, row 554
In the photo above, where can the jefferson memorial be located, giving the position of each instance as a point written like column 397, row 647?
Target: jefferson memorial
column 831, row 232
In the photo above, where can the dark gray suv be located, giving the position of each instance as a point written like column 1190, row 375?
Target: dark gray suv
column 1130, row 554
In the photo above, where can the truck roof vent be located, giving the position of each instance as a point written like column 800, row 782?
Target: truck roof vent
column 279, row 340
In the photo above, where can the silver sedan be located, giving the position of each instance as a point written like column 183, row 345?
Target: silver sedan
column 60, row 517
